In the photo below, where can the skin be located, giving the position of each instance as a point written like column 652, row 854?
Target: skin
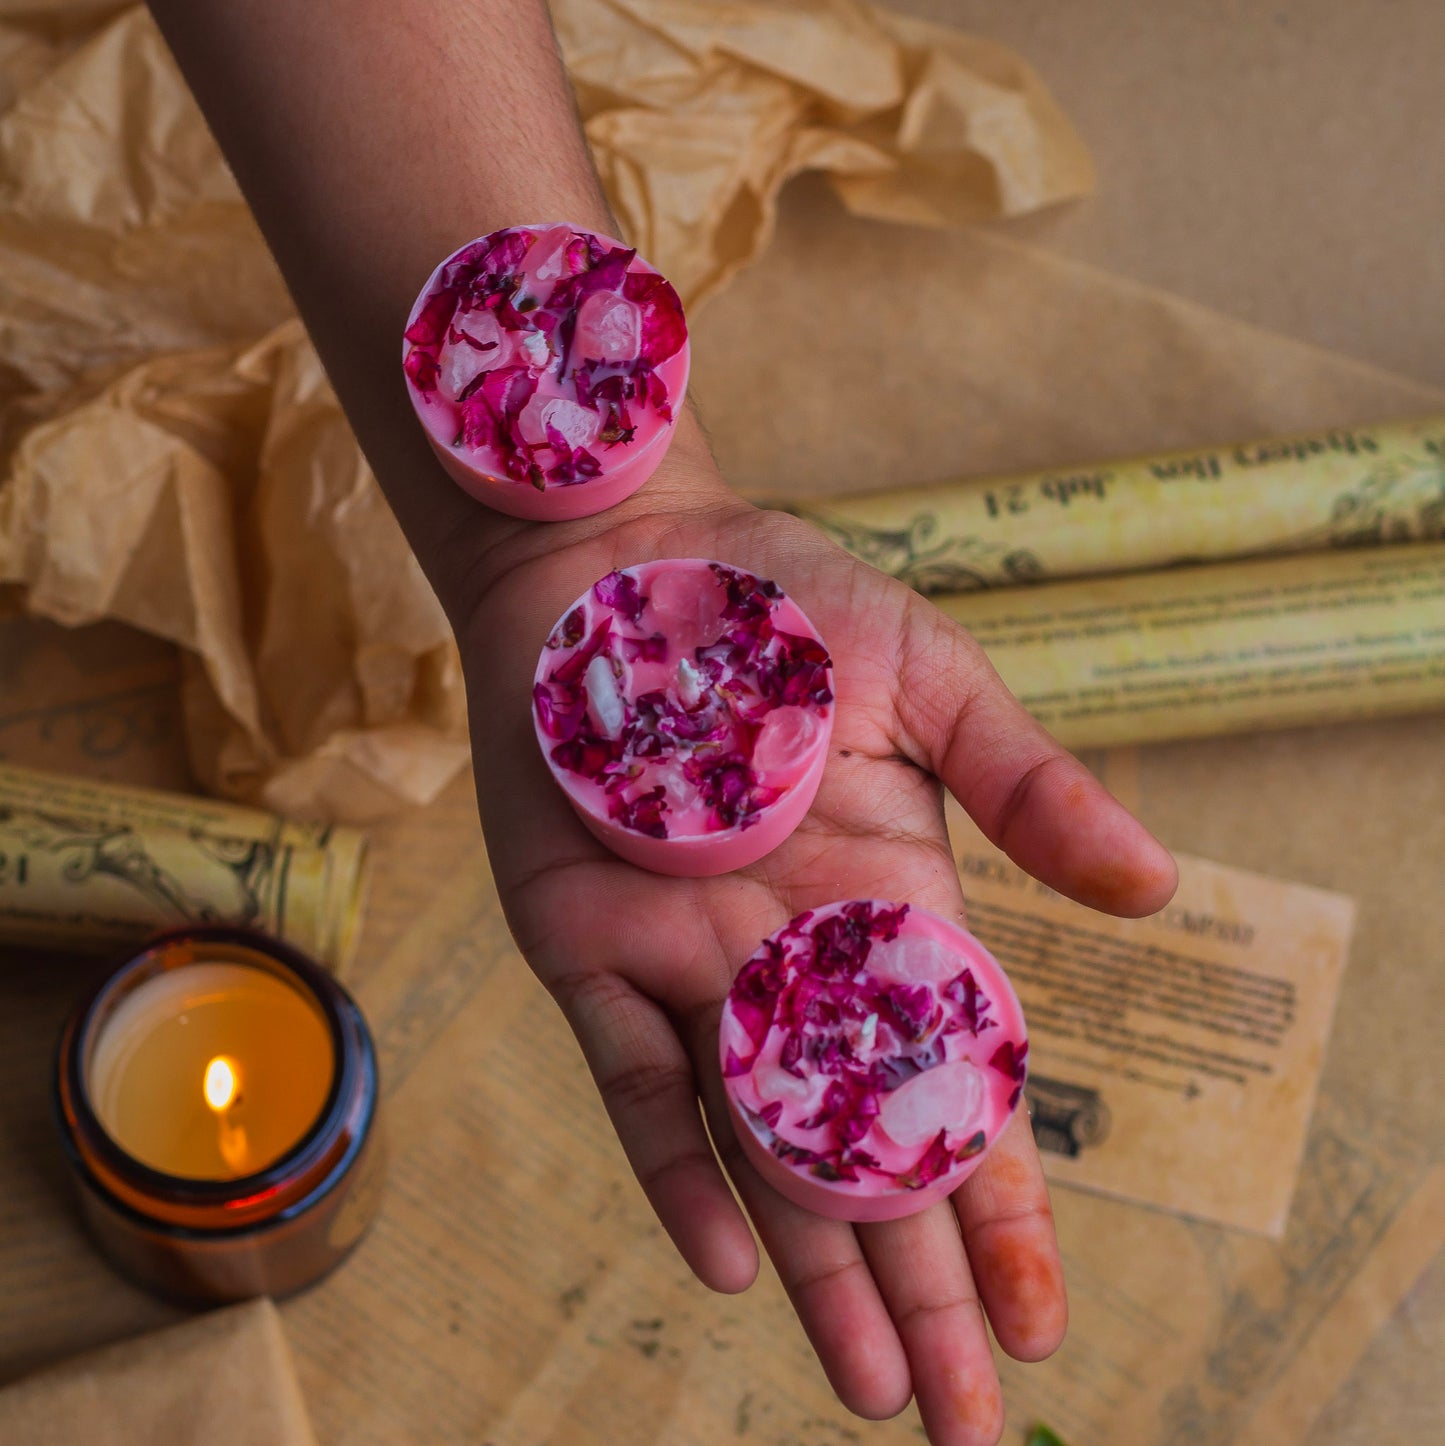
column 372, row 138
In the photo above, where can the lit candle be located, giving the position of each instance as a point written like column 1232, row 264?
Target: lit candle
column 165, row 1076
column 547, row 366
column 685, row 708
column 871, row 1054
column 222, row 1089
column 217, row 1098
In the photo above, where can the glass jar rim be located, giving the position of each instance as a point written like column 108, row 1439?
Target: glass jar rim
column 261, row 1197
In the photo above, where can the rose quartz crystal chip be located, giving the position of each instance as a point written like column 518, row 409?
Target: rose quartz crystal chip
column 689, row 604
column 781, row 1084
column 784, row 742
column 609, row 328
column 913, row 960
column 948, row 1097
column 871, row 1053
column 549, row 254
column 578, row 425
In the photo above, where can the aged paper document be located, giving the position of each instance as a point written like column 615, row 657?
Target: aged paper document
column 90, row 866
column 1173, row 1060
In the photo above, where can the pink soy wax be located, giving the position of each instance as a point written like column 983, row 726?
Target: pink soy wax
column 871, row 1053
column 547, row 365
column 685, row 708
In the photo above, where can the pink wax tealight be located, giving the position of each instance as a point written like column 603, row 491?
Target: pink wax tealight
column 685, row 707
column 547, row 365
column 871, row 1053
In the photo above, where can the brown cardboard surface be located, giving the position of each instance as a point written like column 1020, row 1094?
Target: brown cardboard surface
column 977, row 355
column 1281, row 163
column 524, row 1295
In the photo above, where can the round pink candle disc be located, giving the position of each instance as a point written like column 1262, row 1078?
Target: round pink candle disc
column 871, row 1053
column 547, row 365
column 685, row 707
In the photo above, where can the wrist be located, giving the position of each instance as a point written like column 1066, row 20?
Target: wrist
column 687, row 488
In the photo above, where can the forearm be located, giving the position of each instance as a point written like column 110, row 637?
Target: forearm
column 371, row 138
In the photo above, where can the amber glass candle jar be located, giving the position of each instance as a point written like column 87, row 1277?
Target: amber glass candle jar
column 217, row 1100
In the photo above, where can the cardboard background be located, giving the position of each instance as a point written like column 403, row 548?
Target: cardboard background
column 1282, row 165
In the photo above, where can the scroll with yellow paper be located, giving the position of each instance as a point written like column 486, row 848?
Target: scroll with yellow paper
column 87, row 865
column 1229, row 648
column 1350, row 486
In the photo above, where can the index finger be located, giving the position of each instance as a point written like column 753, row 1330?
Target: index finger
column 1029, row 796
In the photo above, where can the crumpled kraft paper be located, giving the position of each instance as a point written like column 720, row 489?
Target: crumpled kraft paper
column 698, row 112
column 219, row 500
column 221, row 1379
column 171, row 454
column 122, row 233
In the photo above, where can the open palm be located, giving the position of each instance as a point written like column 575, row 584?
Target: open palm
column 640, row 963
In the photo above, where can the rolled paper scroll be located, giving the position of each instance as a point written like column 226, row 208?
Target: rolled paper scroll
column 87, row 865
column 1235, row 647
column 1360, row 485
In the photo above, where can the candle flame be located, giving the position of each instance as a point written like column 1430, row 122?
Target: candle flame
column 221, row 1084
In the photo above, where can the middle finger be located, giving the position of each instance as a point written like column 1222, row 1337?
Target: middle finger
column 923, row 1274
column 819, row 1262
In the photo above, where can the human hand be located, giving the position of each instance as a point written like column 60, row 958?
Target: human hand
column 356, row 214
column 640, row 963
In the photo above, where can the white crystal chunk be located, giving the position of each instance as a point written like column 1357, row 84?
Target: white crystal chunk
column 914, row 960
column 947, row 1097
column 604, row 702
column 689, row 684
column 460, row 362
column 609, row 328
column 680, row 792
column 534, row 348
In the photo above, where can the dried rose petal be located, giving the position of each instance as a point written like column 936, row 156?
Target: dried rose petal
column 1009, row 1059
column 618, row 591
column 663, row 330
column 972, row 1002
column 934, row 1161
column 645, row 813
column 430, row 325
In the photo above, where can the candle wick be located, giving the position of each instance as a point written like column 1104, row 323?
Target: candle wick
column 234, row 1148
